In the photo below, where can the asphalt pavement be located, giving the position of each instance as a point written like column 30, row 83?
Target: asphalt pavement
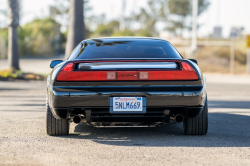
column 23, row 140
column 33, row 65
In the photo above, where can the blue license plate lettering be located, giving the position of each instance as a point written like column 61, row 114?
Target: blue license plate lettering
column 131, row 105
column 116, row 105
column 120, row 105
column 138, row 104
column 135, row 105
column 128, row 104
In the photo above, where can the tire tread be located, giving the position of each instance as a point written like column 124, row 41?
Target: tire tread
column 55, row 126
column 197, row 125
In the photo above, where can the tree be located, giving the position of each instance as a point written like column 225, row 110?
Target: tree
column 112, row 29
column 149, row 17
column 125, row 32
column 37, row 38
column 180, row 10
column 76, row 31
column 105, row 30
column 13, row 15
column 59, row 11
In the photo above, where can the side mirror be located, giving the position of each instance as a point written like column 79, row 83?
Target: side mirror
column 54, row 63
column 194, row 60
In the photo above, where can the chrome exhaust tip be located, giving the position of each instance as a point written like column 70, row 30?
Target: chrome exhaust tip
column 77, row 119
column 179, row 118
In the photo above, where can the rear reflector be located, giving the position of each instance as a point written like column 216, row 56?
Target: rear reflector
column 111, row 75
column 185, row 73
column 143, row 75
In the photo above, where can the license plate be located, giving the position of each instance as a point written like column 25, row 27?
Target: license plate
column 127, row 104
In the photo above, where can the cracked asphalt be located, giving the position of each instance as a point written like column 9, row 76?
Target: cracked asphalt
column 23, row 140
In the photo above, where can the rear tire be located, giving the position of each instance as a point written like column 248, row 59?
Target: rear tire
column 55, row 126
column 197, row 125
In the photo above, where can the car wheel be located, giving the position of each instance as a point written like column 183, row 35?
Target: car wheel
column 55, row 126
column 197, row 125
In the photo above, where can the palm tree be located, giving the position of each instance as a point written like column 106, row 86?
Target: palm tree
column 13, row 14
column 76, row 31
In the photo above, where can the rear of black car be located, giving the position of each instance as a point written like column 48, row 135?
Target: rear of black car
column 127, row 81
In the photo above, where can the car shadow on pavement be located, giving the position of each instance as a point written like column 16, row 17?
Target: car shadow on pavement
column 229, row 104
column 10, row 89
column 222, row 133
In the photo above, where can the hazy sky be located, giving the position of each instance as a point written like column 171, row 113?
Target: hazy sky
column 226, row 13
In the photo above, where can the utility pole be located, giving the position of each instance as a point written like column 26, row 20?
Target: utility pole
column 232, row 55
column 13, row 15
column 194, row 27
column 122, row 18
column 248, row 61
column 57, row 40
column 76, row 32
column 248, row 55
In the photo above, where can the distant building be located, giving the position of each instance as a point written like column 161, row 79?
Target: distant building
column 217, row 32
column 236, row 31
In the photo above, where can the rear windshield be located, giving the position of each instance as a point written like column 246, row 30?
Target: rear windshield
column 135, row 49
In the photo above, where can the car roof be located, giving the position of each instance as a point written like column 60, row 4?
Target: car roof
column 131, row 38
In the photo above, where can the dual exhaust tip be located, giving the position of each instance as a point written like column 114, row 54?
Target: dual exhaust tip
column 179, row 118
column 86, row 119
column 77, row 119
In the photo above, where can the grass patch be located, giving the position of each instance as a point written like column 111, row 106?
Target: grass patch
column 19, row 75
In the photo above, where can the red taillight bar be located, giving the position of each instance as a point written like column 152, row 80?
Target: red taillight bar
column 67, row 74
column 186, row 73
column 170, row 75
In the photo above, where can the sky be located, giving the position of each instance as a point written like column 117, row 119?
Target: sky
column 225, row 13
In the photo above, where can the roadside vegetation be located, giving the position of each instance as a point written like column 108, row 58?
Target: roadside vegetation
column 10, row 75
column 217, row 58
column 43, row 37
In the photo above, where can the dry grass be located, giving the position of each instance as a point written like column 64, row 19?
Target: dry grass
column 217, row 59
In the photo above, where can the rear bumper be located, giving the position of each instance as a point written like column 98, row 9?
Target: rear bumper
column 152, row 114
column 102, row 99
column 189, row 103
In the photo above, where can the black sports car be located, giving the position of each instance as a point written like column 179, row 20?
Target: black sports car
column 123, row 81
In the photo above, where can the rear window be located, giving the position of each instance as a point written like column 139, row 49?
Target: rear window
column 135, row 49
